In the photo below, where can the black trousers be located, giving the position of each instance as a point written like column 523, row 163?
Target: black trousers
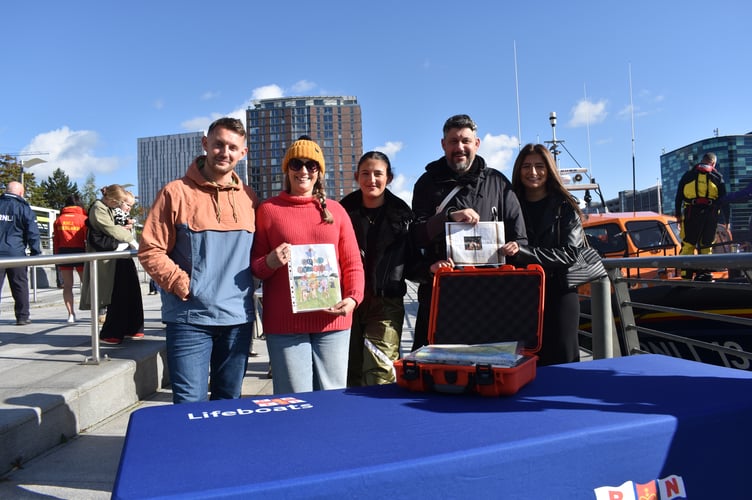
column 125, row 314
column 18, row 280
column 561, row 320
column 699, row 224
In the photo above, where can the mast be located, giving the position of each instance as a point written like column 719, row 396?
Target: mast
column 517, row 92
column 634, row 174
column 590, row 182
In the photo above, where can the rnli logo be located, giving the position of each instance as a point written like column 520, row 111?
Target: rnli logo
column 668, row 488
column 270, row 402
column 247, row 407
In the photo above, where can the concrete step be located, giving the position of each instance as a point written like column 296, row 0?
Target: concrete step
column 49, row 392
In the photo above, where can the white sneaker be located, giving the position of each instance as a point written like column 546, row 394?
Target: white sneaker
column 71, row 318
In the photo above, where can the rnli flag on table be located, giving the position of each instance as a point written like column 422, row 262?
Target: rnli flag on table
column 668, row 488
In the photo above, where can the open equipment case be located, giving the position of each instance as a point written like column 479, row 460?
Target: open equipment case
column 479, row 306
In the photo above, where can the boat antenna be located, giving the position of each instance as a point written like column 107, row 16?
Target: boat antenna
column 634, row 175
column 517, row 92
column 553, row 142
column 587, row 126
column 554, row 148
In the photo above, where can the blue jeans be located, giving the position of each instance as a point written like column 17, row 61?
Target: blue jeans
column 306, row 362
column 207, row 358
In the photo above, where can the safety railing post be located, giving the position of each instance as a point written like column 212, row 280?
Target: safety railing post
column 602, row 319
column 94, row 297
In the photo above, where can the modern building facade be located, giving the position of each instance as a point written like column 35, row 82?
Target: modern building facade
column 334, row 122
column 645, row 200
column 734, row 154
column 164, row 158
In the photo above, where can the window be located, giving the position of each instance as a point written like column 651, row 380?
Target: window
column 649, row 234
column 606, row 238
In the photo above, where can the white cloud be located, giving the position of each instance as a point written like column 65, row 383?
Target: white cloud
column 625, row 112
column 267, row 92
column 391, row 148
column 302, row 86
column 402, row 187
column 586, row 112
column 209, row 95
column 499, row 151
column 200, row 123
column 71, row 151
column 159, row 104
column 271, row 91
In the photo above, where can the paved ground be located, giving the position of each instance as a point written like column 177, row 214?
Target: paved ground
column 85, row 466
column 36, row 359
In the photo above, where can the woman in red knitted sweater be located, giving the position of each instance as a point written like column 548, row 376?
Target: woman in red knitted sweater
column 308, row 350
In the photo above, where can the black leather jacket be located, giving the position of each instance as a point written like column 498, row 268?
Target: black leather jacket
column 393, row 242
column 554, row 245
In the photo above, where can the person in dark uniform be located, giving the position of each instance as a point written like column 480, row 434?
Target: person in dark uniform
column 18, row 231
column 698, row 207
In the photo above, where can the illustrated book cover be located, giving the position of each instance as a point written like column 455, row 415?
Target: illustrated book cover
column 314, row 277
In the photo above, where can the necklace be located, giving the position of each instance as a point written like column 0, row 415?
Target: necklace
column 372, row 214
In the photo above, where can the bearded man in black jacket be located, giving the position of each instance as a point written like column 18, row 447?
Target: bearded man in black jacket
column 484, row 195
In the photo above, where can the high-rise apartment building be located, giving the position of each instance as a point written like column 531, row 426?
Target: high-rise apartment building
column 734, row 154
column 334, row 122
column 164, row 158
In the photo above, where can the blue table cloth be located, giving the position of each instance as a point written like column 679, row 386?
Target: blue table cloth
column 575, row 428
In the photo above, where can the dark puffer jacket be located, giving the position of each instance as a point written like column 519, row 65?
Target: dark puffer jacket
column 393, row 243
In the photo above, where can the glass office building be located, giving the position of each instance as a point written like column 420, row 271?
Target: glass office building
column 334, row 122
column 734, row 154
column 164, row 158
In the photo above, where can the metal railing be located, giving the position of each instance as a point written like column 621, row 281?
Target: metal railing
column 608, row 340
column 624, row 338
column 36, row 261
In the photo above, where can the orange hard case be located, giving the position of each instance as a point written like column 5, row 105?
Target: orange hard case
column 477, row 306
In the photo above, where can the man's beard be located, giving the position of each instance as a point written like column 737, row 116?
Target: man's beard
column 460, row 167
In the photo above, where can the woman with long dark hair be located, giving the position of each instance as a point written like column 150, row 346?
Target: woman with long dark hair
column 554, row 230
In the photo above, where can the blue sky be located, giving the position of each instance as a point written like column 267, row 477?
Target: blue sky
column 83, row 80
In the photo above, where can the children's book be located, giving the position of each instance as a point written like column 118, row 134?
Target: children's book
column 475, row 244
column 314, row 277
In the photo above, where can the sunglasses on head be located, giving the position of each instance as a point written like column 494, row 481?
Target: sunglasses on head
column 296, row 164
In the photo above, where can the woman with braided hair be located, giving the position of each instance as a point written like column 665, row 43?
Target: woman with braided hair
column 307, row 350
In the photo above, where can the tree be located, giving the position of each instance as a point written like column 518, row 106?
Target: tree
column 57, row 188
column 90, row 193
column 10, row 170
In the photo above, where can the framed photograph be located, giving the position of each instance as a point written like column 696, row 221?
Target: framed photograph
column 475, row 244
column 314, row 277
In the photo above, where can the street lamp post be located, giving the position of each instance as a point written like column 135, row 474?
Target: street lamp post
column 28, row 164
